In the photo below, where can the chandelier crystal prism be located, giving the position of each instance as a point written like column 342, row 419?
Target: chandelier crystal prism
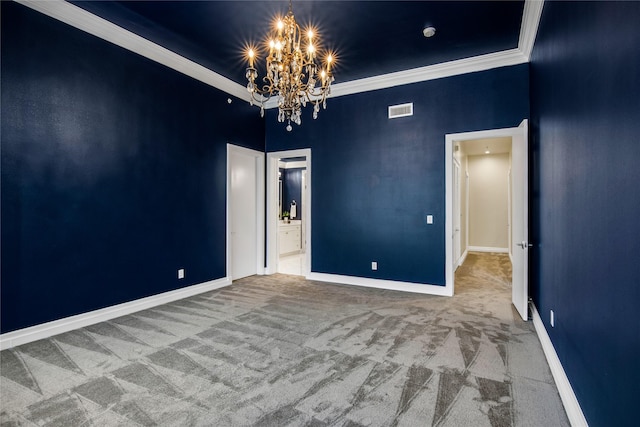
column 292, row 74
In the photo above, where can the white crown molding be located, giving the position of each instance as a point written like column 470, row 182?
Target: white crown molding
column 431, row 72
column 567, row 395
column 49, row 329
column 99, row 27
column 529, row 28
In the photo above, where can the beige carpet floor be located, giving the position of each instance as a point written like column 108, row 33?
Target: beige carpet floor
column 282, row 351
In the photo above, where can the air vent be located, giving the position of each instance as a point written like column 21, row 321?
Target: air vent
column 401, row 110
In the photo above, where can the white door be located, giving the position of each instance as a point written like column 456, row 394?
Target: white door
column 520, row 219
column 456, row 214
column 243, row 214
column 302, row 216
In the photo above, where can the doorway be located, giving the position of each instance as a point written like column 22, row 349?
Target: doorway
column 289, row 212
column 245, row 212
column 514, row 238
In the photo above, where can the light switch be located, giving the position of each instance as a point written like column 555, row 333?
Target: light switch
column 429, row 219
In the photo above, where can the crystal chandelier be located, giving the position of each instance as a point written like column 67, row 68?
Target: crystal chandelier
column 291, row 72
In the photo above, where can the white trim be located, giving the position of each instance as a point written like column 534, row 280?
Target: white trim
column 529, row 28
column 49, row 329
column 99, row 27
column 449, row 141
column 431, row 72
column 569, row 400
column 259, row 162
column 293, row 165
column 488, row 249
column 272, row 208
column 463, row 258
column 392, row 285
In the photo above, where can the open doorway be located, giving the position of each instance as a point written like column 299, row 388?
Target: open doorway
column 481, row 197
column 292, row 189
column 289, row 212
column 483, row 158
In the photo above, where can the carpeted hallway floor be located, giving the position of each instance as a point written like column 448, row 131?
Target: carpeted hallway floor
column 282, row 351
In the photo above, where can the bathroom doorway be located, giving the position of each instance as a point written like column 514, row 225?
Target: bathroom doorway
column 289, row 212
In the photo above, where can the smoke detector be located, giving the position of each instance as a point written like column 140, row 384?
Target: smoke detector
column 429, row 31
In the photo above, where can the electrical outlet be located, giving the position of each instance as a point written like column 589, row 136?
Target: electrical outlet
column 181, row 273
column 374, row 265
column 552, row 319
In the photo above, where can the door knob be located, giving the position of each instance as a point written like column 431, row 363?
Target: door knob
column 525, row 245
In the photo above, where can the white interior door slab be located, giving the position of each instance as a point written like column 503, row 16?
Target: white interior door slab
column 520, row 220
column 243, row 214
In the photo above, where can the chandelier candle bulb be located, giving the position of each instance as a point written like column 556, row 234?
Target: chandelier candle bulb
column 251, row 55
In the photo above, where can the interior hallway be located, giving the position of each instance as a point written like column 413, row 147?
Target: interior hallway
column 279, row 350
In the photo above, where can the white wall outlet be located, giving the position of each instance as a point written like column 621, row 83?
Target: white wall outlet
column 374, row 265
column 429, row 219
column 181, row 273
column 552, row 319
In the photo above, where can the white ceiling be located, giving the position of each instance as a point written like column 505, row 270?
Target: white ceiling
column 477, row 147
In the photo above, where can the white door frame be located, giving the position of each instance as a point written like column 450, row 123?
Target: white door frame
column 272, row 208
column 457, row 210
column 450, row 141
column 259, row 164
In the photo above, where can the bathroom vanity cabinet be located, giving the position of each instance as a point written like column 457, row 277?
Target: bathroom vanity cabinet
column 290, row 238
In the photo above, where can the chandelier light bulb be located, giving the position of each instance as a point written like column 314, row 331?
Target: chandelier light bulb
column 251, row 56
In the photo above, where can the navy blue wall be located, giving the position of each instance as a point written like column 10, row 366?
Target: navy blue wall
column 374, row 180
column 292, row 190
column 113, row 172
column 585, row 88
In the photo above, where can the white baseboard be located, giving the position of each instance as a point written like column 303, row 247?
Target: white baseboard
column 462, row 258
column 488, row 249
column 49, row 329
column 569, row 400
column 382, row 284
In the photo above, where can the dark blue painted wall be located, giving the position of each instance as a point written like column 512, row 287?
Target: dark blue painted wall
column 292, row 190
column 374, row 180
column 585, row 88
column 113, row 172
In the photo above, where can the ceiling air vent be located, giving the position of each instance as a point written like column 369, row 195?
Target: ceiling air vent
column 401, row 110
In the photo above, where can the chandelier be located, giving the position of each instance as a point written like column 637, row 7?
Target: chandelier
column 292, row 73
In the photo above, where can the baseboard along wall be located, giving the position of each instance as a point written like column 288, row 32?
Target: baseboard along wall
column 568, row 397
column 392, row 285
column 49, row 329
column 488, row 249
